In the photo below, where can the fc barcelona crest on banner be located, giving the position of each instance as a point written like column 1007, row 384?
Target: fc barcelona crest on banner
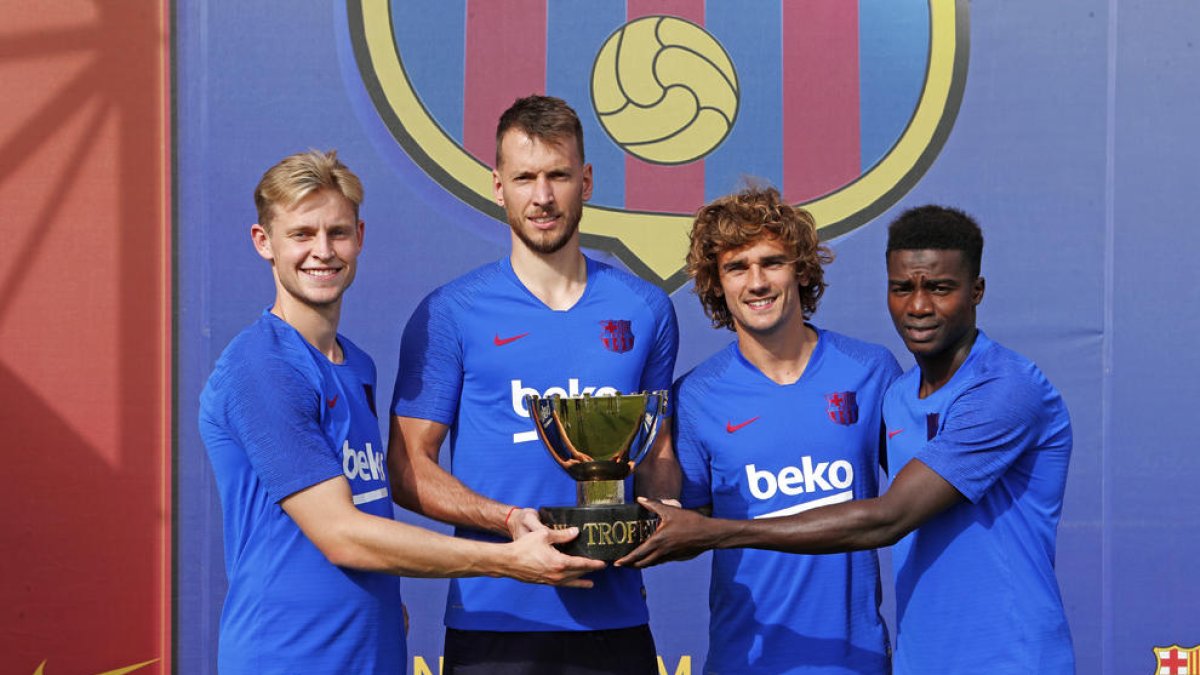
column 617, row 336
column 842, row 106
column 1176, row 660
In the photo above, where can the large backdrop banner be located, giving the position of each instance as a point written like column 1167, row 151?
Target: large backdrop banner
column 1068, row 129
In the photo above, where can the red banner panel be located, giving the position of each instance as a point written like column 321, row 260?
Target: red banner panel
column 85, row 388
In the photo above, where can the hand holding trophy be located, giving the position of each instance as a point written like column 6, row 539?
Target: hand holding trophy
column 598, row 441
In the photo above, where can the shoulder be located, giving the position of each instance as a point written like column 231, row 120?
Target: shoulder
column 266, row 344
column 653, row 296
column 706, row 375
column 908, row 381
column 1008, row 373
column 867, row 354
column 998, row 383
column 355, row 357
column 266, row 352
column 465, row 291
column 448, row 306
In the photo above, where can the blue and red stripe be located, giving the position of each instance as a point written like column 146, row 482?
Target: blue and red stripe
column 820, row 105
column 505, row 60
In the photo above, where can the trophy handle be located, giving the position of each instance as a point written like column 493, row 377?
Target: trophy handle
column 650, row 421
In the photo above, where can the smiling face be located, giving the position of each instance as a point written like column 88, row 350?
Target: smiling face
column 542, row 185
column 760, row 288
column 932, row 296
column 313, row 248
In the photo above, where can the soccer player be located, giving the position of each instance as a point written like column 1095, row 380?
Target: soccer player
column 982, row 442
column 544, row 320
column 288, row 417
column 785, row 419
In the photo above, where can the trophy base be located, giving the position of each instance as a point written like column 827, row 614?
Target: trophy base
column 606, row 531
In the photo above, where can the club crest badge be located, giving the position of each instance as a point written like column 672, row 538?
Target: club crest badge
column 842, row 407
column 1176, row 660
column 932, row 422
column 616, row 335
column 843, row 107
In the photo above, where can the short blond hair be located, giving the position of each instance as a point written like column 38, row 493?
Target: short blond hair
column 297, row 176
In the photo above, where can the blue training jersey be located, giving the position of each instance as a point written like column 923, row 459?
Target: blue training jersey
column 277, row 417
column 471, row 352
column 753, row 448
column 975, row 585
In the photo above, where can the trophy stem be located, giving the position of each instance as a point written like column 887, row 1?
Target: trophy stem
column 589, row 492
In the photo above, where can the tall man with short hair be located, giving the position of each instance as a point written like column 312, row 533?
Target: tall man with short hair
column 784, row 419
column 534, row 322
column 288, row 417
column 982, row 442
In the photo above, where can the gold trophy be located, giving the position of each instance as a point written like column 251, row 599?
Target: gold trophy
column 598, row 441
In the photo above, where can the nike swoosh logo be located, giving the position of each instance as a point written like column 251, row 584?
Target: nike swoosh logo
column 892, row 434
column 333, row 401
column 500, row 342
column 730, row 427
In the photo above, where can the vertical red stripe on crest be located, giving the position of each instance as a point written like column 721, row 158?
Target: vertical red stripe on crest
column 821, row 97
column 657, row 187
column 505, row 60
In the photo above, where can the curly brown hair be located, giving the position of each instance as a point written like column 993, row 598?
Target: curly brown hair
column 740, row 220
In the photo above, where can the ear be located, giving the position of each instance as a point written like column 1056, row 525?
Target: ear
column 587, row 182
column 497, row 187
column 262, row 242
column 360, row 230
column 977, row 288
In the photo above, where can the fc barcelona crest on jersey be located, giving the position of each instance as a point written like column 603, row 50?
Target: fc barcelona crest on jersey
column 616, row 335
column 842, row 407
column 843, row 105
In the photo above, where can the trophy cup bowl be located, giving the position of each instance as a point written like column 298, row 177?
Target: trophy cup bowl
column 598, row 441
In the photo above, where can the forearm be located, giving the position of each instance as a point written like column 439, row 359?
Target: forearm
column 852, row 526
column 658, row 476
column 350, row 538
column 423, row 486
column 381, row 545
column 420, row 484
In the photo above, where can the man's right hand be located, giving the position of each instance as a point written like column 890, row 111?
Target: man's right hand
column 536, row 561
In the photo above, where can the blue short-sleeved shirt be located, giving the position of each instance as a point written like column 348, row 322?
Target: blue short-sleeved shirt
column 278, row 417
column 1000, row 433
column 752, row 448
column 471, row 352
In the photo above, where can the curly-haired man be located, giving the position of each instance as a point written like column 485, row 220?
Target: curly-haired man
column 784, row 419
